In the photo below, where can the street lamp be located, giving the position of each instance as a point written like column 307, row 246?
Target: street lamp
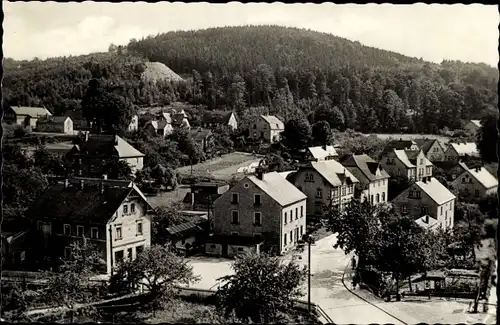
column 309, row 240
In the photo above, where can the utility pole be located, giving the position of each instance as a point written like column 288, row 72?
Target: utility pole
column 308, row 239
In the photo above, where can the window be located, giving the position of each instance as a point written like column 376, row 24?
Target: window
column 453, row 176
column 213, row 246
column 421, row 161
column 301, row 231
column 419, row 194
column 67, row 252
column 301, row 211
column 476, row 193
column 309, row 177
column 132, row 208
column 139, row 228
column 424, row 210
column 94, row 233
column 441, row 210
column 67, row 230
column 256, row 199
column 319, row 193
column 125, row 209
column 255, row 126
column 371, row 199
column 235, row 217
column 118, row 232
column 286, row 218
column 79, row 231
column 296, row 213
column 235, row 198
column 379, row 182
column 404, row 208
column 383, row 196
column 240, row 249
column 291, row 215
column 129, row 253
column 318, row 208
column 284, row 239
column 350, row 188
column 377, row 198
column 463, row 179
column 257, row 219
column 398, row 172
column 118, row 257
column 291, row 236
column 466, row 192
column 234, row 234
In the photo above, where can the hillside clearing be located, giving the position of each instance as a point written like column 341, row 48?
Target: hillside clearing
column 158, row 71
column 395, row 136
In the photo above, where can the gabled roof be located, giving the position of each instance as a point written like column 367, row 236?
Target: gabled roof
column 483, row 176
column 73, row 203
column 399, row 145
column 217, row 117
column 31, row 111
column 320, row 153
column 179, row 119
column 333, row 172
column 278, row 188
column 366, row 165
column 184, row 229
column 403, row 157
column 274, row 122
column 468, row 148
column 165, row 116
column 200, row 134
column 159, row 124
column 413, row 156
column 108, row 145
column 53, row 119
column 476, row 123
column 436, row 191
column 426, row 144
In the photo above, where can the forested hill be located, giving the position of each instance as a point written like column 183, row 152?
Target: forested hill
column 244, row 48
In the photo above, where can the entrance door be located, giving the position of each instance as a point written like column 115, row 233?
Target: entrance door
column 224, row 249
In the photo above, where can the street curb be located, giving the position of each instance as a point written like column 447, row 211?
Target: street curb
column 365, row 300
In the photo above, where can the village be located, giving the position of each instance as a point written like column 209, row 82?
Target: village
column 240, row 203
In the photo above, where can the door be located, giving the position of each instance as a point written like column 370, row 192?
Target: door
column 224, row 249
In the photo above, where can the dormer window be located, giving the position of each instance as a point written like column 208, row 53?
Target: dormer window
column 418, row 194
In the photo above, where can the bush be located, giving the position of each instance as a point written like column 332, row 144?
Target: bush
column 19, row 131
column 490, row 228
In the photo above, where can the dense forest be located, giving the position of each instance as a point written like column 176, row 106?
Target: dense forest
column 293, row 72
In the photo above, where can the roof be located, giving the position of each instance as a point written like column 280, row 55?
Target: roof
column 412, row 156
column 166, row 117
column 321, row 152
column 274, row 122
column 53, row 119
column 367, row 165
column 287, row 173
column 333, row 172
column 476, row 123
column 403, row 157
column 436, row 191
column 399, row 144
column 427, row 225
column 31, row 111
column 468, row 148
column 426, row 144
column 278, row 188
column 109, row 145
column 184, row 229
column 484, row 177
column 200, row 134
column 217, row 117
column 179, row 119
column 72, row 202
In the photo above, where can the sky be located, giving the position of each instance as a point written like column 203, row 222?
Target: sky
column 432, row 32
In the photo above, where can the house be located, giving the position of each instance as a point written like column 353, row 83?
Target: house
column 187, row 236
column 452, row 169
column 321, row 153
column 267, row 128
column 433, row 149
column 160, row 127
column 401, row 145
column 203, row 195
column 427, row 197
column 475, row 183
column 262, row 211
column 79, row 122
column 325, row 183
column 14, row 242
column 215, row 119
column 24, row 115
column 113, row 216
column 204, row 137
column 95, row 151
column 411, row 164
column 460, row 151
column 373, row 179
column 472, row 126
column 179, row 120
column 134, row 123
column 56, row 124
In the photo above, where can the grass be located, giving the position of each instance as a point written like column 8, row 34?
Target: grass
column 411, row 136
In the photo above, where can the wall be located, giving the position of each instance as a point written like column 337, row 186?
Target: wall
column 446, row 214
column 393, row 168
column 436, row 152
column 451, row 154
column 234, row 250
column 296, row 225
column 309, row 188
column 188, row 240
column 128, row 222
column 232, row 122
column 379, row 187
column 422, row 169
column 136, row 163
column 213, row 249
column 471, row 187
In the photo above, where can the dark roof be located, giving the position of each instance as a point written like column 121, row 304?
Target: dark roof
column 53, row 119
column 177, row 119
column 398, row 145
column 88, row 204
column 184, row 229
column 235, row 240
column 200, row 134
column 412, row 154
column 217, row 117
column 366, row 165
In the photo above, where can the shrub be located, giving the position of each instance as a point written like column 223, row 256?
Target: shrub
column 490, row 228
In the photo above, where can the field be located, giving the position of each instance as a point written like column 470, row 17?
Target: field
column 396, row 136
column 222, row 168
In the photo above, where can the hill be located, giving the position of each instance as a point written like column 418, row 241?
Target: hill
column 155, row 71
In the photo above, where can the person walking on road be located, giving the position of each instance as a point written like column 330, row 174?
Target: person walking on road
column 353, row 262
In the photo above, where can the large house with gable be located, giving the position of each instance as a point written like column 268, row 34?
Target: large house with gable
column 24, row 115
column 475, row 183
column 410, row 164
column 461, row 151
column 433, row 149
column 268, row 128
column 215, row 119
column 261, row 212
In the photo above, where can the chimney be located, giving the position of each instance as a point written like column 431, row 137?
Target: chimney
column 478, row 169
column 81, row 184
column 105, row 176
column 427, row 219
column 324, row 147
column 86, row 136
column 259, row 173
column 66, row 183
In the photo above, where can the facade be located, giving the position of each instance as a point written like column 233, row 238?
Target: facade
column 204, row 138
column 24, row 115
column 325, row 183
column 411, row 164
column 187, row 236
column 215, row 119
column 428, row 198
column 402, row 145
column 179, row 120
column 134, row 123
column 373, row 179
column 159, row 127
column 461, row 151
column 203, row 195
column 113, row 216
column 56, row 124
column 433, row 149
column 472, row 126
column 262, row 208
column 475, row 183
column 268, row 128
column 322, row 153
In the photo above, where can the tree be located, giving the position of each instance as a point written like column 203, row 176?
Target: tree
column 260, row 288
column 237, row 93
column 297, row 134
column 487, row 137
column 70, row 285
column 158, row 269
column 165, row 176
column 164, row 217
column 470, row 222
column 321, row 133
column 276, row 163
column 48, row 162
column 124, row 171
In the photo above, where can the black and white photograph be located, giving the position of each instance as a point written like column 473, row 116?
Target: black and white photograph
column 249, row 163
